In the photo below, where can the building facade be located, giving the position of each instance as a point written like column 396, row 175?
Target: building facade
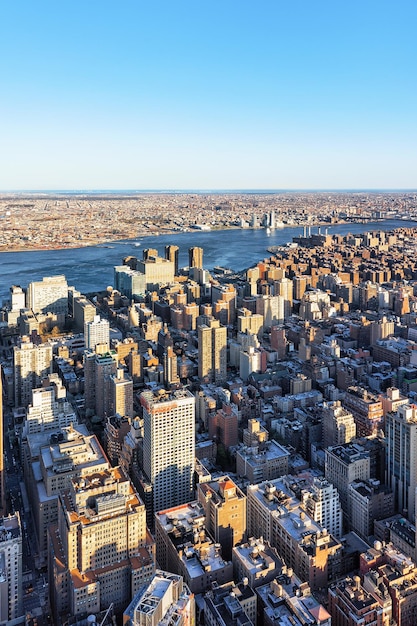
column 169, row 446
column 31, row 364
column 11, row 572
column 401, row 459
column 100, row 552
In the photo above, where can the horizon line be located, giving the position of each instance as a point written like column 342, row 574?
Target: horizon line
column 206, row 190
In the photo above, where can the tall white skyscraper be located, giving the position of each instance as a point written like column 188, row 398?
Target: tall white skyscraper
column 169, row 446
column 11, row 598
column 95, row 332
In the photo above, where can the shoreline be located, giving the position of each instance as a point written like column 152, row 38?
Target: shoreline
column 140, row 235
column 109, row 242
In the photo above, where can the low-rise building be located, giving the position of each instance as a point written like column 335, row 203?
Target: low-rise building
column 165, row 600
column 287, row 600
column 256, row 561
column 350, row 604
column 230, row 605
column 264, row 462
column 184, row 547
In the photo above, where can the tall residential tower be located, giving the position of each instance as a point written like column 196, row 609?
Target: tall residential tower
column 169, row 446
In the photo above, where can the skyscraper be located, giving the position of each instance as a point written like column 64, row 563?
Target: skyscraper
column 31, row 365
column 171, row 253
column 401, row 436
column 169, row 446
column 121, row 394
column 97, row 331
column 98, row 368
column 212, row 351
column 195, row 257
column 11, row 598
column 98, row 548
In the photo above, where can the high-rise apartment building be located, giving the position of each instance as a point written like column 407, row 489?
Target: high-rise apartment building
column 338, row 425
column 49, row 295
column 121, row 394
column 248, row 322
column 322, row 503
column 272, row 309
column 368, row 501
column 251, row 360
column 172, row 253
column 195, row 257
column 401, row 460
column 344, row 464
column 212, row 351
column 17, row 298
column 169, row 446
column 83, row 311
column 100, row 552
column 16, row 304
column 31, row 364
column 50, row 464
column 366, row 408
column 49, row 409
column 300, row 284
column 129, row 281
column 223, row 299
column 170, row 364
column 304, row 545
column 11, row 573
column 98, row 369
column 284, row 288
column 223, row 425
column 95, row 332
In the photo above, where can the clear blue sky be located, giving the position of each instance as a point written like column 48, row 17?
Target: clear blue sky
column 221, row 94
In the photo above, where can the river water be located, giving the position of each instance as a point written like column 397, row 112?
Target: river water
column 91, row 268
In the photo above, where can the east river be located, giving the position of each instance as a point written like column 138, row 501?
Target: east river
column 91, row 269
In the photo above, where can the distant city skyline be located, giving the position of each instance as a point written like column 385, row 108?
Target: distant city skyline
column 225, row 96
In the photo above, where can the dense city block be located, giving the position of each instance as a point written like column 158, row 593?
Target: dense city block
column 198, row 447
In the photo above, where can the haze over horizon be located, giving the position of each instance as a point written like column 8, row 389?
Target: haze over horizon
column 220, row 97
